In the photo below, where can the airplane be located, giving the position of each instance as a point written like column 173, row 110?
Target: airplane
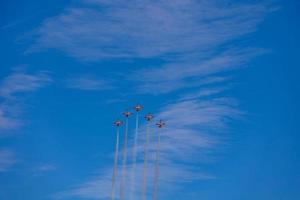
column 118, row 123
column 127, row 113
column 149, row 117
column 160, row 124
column 138, row 107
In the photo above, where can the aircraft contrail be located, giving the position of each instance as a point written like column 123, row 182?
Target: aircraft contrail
column 137, row 109
column 145, row 170
column 117, row 123
column 160, row 124
column 123, row 178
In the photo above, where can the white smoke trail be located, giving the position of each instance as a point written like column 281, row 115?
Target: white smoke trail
column 144, row 189
column 156, row 172
column 122, row 184
column 134, row 157
column 115, row 165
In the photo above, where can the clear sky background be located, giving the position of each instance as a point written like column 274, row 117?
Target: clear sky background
column 224, row 75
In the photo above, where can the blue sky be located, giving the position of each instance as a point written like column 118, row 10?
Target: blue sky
column 222, row 74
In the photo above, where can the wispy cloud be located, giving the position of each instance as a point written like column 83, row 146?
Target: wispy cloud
column 45, row 167
column 147, row 28
column 96, row 188
column 203, row 93
column 191, row 37
column 186, row 140
column 87, row 82
column 19, row 82
column 191, row 40
column 11, row 87
column 7, row 122
column 193, row 72
column 7, row 159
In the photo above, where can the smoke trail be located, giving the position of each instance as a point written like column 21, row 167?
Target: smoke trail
column 122, row 185
column 115, row 165
column 134, row 156
column 145, row 163
column 156, row 173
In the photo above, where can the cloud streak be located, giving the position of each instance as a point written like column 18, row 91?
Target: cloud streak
column 191, row 73
column 185, row 140
column 192, row 40
column 7, row 159
column 45, row 168
column 122, row 29
column 11, row 86
column 87, row 82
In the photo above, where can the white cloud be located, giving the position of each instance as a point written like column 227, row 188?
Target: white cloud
column 7, row 122
column 19, row 82
column 97, row 188
column 198, row 67
column 7, row 159
column 45, row 167
column 190, row 39
column 202, row 93
column 10, row 88
column 189, row 136
column 147, row 28
column 191, row 73
column 87, row 83
column 187, row 35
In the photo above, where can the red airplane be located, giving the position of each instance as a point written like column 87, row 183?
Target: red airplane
column 118, row 123
column 149, row 117
column 160, row 124
column 127, row 113
column 138, row 107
